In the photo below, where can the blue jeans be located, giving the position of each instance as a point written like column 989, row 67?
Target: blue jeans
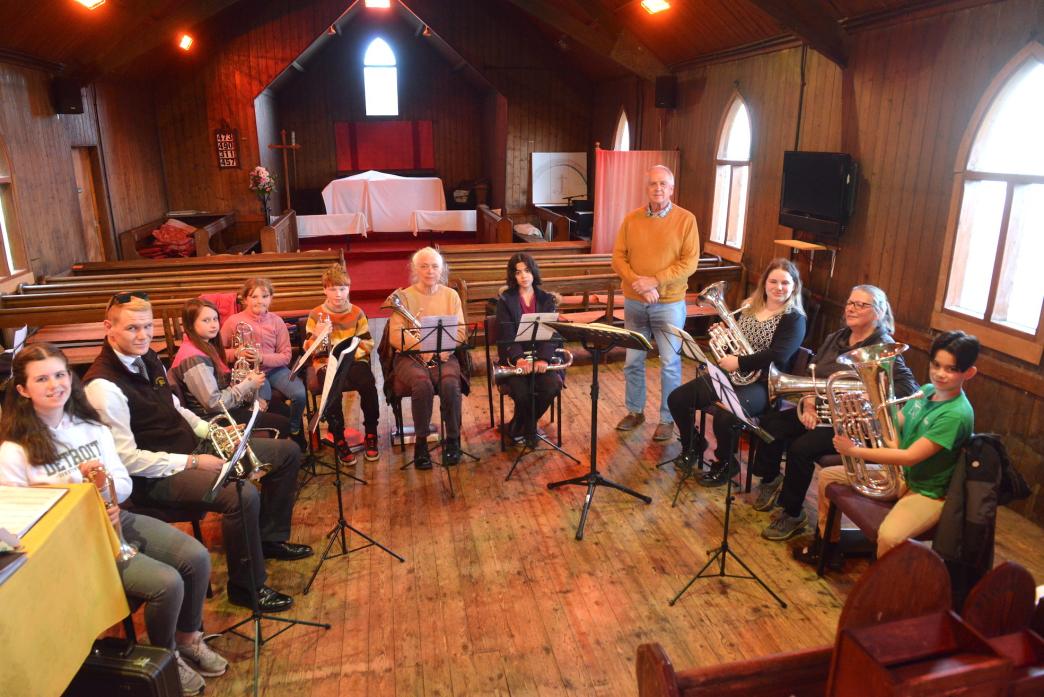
column 294, row 390
column 650, row 321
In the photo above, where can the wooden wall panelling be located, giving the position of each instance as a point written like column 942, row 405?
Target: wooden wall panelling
column 38, row 146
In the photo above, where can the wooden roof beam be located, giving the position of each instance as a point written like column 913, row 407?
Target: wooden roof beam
column 605, row 36
column 810, row 22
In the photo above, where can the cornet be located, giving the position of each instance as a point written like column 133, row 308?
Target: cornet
column 97, row 475
column 324, row 345
column 225, row 434
column 244, row 339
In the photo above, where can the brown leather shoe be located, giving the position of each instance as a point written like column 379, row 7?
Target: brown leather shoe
column 664, row 431
column 630, row 422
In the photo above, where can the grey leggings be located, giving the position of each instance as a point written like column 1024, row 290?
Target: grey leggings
column 170, row 574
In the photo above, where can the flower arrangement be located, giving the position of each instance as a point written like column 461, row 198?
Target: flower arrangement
column 262, row 183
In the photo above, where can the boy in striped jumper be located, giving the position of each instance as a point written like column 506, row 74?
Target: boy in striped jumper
column 353, row 371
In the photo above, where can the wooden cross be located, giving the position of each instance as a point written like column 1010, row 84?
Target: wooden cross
column 285, row 147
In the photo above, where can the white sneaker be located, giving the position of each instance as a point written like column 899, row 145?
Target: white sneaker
column 203, row 659
column 192, row 683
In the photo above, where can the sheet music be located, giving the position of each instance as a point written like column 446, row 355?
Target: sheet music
column 347, row 346
column 22, row 506
column 544, row 332
column 325, row 332
column 727, row 394
column 689, row 348
column 430, row 332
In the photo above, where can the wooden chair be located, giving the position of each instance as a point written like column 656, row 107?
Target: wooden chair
column 1002, row 602
column 893, row 589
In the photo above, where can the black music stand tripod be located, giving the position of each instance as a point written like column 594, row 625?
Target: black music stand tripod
column 529, row 448
column 597, row 340
column 728, row 401
column 256, row 615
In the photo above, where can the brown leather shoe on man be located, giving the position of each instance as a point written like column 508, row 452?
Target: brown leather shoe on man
column 630, row 422
column 664, row 431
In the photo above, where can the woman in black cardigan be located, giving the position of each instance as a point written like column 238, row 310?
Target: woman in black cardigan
column 524, row 295
column 773, row 323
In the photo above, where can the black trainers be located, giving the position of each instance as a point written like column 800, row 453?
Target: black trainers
column 299, row 438
column 810, row 554
column 719, row 474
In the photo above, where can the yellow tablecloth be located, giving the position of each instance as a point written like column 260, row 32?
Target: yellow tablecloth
column 65, row 595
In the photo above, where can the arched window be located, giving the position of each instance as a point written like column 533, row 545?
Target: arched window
column 12, row 256
column 622, row 139
column 732, row 177
column 380, row 79
column 995, row 284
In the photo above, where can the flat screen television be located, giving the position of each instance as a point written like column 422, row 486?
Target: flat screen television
column 818, row 192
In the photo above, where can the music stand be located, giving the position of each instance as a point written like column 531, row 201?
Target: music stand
column 230, row 474
column 687, row 348
column 729, row 401
column 334, row 376
column 597, row 339
column 532, row 328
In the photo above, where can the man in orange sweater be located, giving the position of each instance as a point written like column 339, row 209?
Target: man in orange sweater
column 657, row 248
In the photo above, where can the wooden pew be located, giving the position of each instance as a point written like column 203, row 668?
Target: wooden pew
column 492, row 227
column 207, row 233
column 559, row 223
column 281, row 234
column 252, row 264
column 462, row 252
column 581, row 293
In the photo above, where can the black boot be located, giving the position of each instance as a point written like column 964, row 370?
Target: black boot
column 718, row 474
column 421, row 458
column 451, row 452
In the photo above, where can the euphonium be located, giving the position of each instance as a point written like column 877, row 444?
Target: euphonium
column 869, row 419
column 97, row 475
column 244, row 339
column 562, row 360
column 224, row 434
column 728, row 340
column 783, row 385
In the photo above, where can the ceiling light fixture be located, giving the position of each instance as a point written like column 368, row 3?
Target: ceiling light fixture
column 654, row 6
column 185, row 42
column 91, row 4
column 378, row 3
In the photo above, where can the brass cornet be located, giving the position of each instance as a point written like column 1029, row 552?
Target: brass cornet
column 324, row 346
column 225, row 434
column 97, row 475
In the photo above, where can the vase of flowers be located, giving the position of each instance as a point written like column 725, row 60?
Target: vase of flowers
column 262, row 183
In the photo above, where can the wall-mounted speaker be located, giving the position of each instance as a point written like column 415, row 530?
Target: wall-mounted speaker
column 66, row 96
column 667, row 92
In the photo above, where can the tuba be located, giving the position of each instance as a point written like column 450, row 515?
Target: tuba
column 869, row 418
column 244, row 339
column 224, row 434
column 728, row 340
column 562, row 360
column 97, row 475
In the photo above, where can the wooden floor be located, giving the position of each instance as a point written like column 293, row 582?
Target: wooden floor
column 496, row 597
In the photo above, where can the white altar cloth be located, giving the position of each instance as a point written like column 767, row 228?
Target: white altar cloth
column 331, row 225
column 443, row 221
column 387, row 200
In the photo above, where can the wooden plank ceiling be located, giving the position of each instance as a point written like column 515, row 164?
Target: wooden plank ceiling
column 135, row 38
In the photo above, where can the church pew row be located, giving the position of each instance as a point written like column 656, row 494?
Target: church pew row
column 233, row 262
column 594, row 293
column 206, row 233
column 463, row 252
column 492, row 227
column 797, row 674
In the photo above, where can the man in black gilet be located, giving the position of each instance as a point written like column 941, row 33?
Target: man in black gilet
column 158, row 440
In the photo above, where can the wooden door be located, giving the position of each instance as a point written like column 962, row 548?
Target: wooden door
column 87, row 194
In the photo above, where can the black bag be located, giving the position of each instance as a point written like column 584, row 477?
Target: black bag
column 119, row 667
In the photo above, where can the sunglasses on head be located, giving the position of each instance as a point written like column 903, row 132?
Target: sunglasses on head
column 124, row 298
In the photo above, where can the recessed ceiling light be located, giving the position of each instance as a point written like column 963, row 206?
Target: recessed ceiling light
column 91, row 4
column 185, row 42
column 654, row 6
column 378, row 3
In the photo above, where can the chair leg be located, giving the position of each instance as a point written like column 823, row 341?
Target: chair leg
column 826, row 546
column 752, row 450
column 503, row 436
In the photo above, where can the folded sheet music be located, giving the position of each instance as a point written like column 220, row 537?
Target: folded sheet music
column 22, row 506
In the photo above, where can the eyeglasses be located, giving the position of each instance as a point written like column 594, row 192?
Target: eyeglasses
column 124, row 298
column 856, row 305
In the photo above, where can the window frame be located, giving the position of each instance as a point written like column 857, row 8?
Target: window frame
column 991, row 334
column 394, row 66
column 622, row 121
column 723, row 249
